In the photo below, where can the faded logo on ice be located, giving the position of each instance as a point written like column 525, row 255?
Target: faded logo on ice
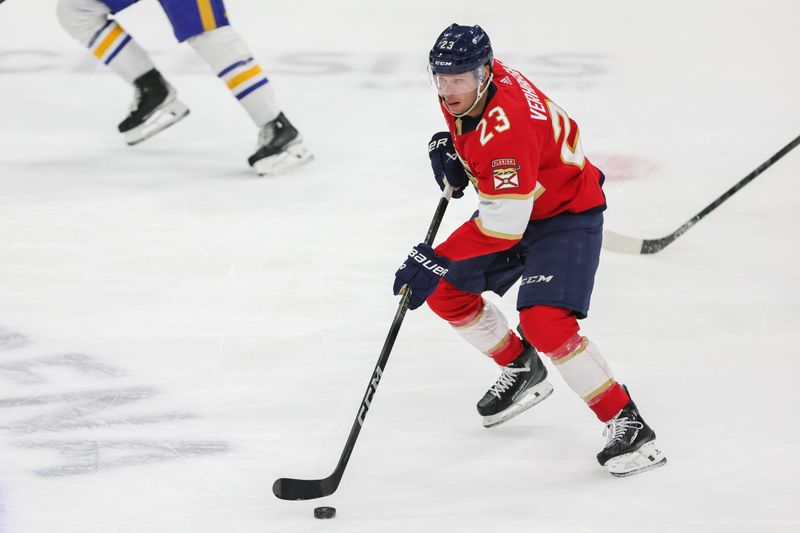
column 57, row 421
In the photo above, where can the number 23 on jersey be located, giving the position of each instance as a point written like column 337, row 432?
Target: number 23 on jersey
column 500, row 124
column 496, row 121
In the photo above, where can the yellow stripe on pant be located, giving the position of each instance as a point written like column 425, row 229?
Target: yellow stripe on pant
column 206, row 15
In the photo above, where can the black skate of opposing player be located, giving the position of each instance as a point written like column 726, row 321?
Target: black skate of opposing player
column 155, row 107
column 280, row 148
column 631, row 445
column 522, row 385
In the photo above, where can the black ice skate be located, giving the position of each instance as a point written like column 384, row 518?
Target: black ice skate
column 280, row 148
column 631, row 444
column 155, row 107
column 522, row 385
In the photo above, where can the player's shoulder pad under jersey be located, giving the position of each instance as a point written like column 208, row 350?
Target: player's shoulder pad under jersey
column 519, row 94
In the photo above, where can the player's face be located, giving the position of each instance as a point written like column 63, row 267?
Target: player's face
column 458, row 91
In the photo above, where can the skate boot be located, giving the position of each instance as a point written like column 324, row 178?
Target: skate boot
column 155, row 107
column 631, row 444
column 522, row 385
column 280, row 148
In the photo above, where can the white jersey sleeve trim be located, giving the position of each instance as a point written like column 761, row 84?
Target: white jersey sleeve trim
column 504, row 217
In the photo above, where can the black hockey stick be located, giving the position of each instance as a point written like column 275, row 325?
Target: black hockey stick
column 308, row 489
column 631, row 245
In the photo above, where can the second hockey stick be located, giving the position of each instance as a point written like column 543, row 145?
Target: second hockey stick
column 309, row 489
column 631, row 245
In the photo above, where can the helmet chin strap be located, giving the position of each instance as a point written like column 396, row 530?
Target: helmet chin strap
column 478, row 97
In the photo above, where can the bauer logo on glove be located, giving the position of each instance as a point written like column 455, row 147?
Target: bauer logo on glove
column 446, row 164
column 427, row 263
column 421, row 273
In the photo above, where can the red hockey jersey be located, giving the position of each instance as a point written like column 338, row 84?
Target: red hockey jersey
column 524, row 156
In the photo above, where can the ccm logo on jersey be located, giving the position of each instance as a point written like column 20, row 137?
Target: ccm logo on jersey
column 504, row 173
column 539, row 278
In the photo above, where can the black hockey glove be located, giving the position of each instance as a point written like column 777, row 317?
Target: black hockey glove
column 445, row 163
column 421, row 272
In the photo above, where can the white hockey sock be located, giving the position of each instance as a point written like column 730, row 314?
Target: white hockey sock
column 88, row 21
column 487, row 330
column 117, row 49
column 230, row 58
column 583, row 368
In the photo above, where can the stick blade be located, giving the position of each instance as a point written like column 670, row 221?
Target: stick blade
column 616, row 242
column 302, row 489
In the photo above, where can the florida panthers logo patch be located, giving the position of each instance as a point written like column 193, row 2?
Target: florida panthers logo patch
column 504, row 173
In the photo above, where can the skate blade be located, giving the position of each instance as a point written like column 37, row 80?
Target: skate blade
column 295, row 154
column 529, row 398
column 160, row 120
column 647, row 457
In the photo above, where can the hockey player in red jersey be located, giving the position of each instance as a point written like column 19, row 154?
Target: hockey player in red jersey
column 539, row 220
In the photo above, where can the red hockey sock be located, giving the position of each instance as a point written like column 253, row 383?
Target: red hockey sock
column 609, row 402
column 509, row 351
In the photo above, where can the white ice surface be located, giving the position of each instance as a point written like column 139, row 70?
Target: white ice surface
column 176, row 333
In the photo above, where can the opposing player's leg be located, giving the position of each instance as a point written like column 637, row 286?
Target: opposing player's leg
column 155, row 108
column 155, row 105
column 561, row 259
column 522, row 382
column 279, row 146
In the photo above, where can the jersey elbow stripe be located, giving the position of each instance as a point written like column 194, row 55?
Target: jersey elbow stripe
column 528, row 196
column 497, row 234
column 504, row 218
column 535, row 194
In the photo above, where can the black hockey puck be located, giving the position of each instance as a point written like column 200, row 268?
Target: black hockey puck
column 324, row 512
